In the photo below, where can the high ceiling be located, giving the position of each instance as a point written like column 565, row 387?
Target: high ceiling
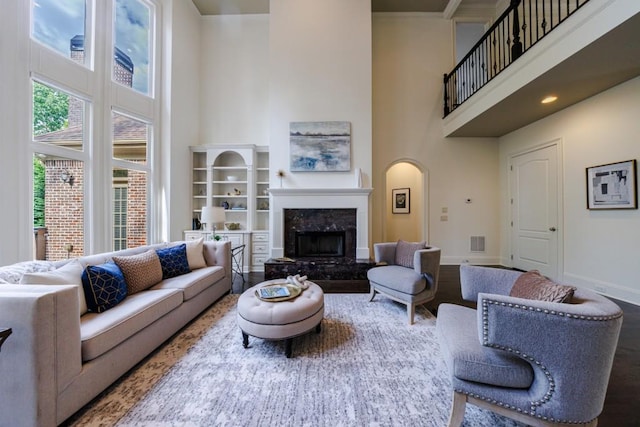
column 230, row 7
column 610, row 60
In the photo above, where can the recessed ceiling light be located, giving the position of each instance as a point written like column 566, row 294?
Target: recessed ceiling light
column 549, row 99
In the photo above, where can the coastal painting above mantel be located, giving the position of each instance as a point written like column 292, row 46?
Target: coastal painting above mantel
column 320, row 146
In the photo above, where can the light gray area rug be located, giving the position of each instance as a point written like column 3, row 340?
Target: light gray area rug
column 367, row 367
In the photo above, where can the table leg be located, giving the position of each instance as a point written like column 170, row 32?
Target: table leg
column 287, row 347
column 245, row 340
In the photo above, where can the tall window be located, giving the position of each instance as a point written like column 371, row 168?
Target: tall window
column 132, row 33
column 80, row 154
column 130, row 140
column 56, row 23
column 58, row 173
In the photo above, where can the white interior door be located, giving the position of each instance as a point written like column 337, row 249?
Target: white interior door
column 534, row 211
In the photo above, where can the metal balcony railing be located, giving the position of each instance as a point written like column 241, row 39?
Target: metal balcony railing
column 504, row 42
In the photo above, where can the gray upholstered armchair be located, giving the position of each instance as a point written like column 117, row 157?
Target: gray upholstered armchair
column 541, row 363
column 408, row 273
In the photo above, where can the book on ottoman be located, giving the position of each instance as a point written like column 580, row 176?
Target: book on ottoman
column 274, row 292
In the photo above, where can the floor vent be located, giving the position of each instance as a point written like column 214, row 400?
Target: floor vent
column 477, row 243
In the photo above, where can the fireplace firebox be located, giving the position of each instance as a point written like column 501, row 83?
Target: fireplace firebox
column 320, row 244
column 331, row 233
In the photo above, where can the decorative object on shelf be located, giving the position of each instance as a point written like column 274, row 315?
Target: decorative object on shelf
column 196, row 224
column 358, row 175
column 212, row 215
column 232, row 225
column 225, row 205
column 265, row 192
column 264, row 206
column 232, row 178
column 400, row 200
column 320, row 146
column 612, row 186
column 236, row 192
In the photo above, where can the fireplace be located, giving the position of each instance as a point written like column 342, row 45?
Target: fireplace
column 320, row 244
column 354, row 199
column 335, row 216
column 320, row 233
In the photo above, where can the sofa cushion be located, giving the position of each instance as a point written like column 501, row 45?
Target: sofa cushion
column 533, row 285
column 140, row 271
column 104, row 286
column 195, row 255
column 405, row 251
column 405, row 280
column 468, row 360
column 193, row 283
column 173, row 261
column 68, row 274
column 102, row 332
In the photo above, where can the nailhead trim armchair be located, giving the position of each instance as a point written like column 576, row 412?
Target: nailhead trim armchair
column 541, row 363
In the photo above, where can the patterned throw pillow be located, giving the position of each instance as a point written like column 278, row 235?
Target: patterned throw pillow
column 13, row 273
column 68, row 274
column 140, row 271
column 405, row 251
column 533, row 285
column 195, row 256
column 173, row 261
column 104, row 286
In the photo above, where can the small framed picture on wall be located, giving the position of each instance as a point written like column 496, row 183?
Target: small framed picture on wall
column 400, row 200
column 612, row 186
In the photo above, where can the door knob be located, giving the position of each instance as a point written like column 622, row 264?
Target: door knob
column 552, row 229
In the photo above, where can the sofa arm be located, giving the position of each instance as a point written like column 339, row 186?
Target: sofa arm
column 476, row 279
column 218, row 253
column 570, row 347
column 43, row 354
column 427, row 261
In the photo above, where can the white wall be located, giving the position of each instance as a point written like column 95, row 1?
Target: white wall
column 16, row 223
column 320, row 70
column 234, row 79
column 600, row 247
column 411, row 52
column 181, row 113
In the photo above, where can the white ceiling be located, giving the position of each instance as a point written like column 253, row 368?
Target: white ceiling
column 231, row 7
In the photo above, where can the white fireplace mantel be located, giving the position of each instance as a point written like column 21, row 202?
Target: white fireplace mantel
column 320, row 198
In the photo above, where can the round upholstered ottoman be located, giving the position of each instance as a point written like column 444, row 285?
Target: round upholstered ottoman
column 281, row 320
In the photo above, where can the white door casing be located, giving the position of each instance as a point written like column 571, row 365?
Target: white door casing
column 535, row 210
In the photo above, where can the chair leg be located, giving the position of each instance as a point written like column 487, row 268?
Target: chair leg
column 458, row 405
column 411, row 311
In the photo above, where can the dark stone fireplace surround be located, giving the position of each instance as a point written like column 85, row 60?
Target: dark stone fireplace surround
column 333, row 274
column 320, row 220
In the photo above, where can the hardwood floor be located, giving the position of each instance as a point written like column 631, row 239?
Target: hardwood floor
column 623, row 394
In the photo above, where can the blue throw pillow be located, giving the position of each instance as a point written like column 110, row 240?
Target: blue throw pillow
column 174, row 261
column 104, row 286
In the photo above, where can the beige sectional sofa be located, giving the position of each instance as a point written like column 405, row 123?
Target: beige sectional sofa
column 58, row 360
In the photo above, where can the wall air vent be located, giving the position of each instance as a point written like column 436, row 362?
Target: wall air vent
column 477, row 244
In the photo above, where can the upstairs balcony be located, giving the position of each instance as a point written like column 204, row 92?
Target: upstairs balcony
column 572, row 49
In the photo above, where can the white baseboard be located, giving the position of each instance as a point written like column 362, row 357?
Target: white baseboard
column 607, row 289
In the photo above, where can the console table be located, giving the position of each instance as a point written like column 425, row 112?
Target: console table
column 4, row 334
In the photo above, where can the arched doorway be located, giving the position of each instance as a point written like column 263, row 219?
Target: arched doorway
column 408, row 222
